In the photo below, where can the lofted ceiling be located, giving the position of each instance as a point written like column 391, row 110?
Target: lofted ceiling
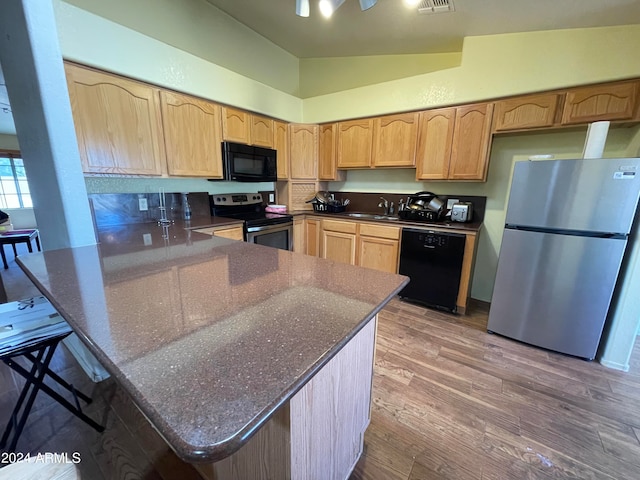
column 391, row 28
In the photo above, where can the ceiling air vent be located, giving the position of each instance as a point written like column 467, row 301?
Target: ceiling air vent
column 435, row 6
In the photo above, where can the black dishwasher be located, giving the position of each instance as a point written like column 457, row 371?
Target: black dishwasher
column 433, row 262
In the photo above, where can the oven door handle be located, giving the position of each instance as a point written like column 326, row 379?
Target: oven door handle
column 279, row 227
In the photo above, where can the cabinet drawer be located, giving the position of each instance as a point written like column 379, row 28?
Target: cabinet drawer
column 234, row 233
column 338, row 226
column 380, row 231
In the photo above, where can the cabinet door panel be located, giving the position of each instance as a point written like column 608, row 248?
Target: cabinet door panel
column 378, row 253
column 355, row 143
column 605, row 102
column 236, row 126
column 303, row 151
column 434, row 143
column 281, row 144
column 339, row 247
column 261, row 131
column 471, row 140
column 192, row 135
column 235, row 233
column 395, row 138
column 535, row 111
column 312, row 234
column 117, row 123
column 327, row 152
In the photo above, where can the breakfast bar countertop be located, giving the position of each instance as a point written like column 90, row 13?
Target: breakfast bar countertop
column 209, row 336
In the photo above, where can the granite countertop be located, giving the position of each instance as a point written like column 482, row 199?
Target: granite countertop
column 209, row 336
column 465, row 227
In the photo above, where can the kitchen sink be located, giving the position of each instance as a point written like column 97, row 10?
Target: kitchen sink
column 372, row 216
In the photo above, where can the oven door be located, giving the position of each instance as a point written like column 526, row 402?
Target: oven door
column 277, row 236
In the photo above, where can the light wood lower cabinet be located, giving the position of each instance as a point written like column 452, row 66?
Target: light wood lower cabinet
column 312, row 236
column 338, row 241
column 319, row 433
column 378, row 247
column 367, row 245
column 306, row 236
column 233, row 233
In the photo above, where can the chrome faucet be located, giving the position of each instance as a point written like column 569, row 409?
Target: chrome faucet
column 388, row 208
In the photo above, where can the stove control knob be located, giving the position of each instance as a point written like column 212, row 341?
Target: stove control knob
column 217, row 199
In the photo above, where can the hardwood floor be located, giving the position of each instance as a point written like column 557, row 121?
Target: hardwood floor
column 449, row 402
column 452, row 401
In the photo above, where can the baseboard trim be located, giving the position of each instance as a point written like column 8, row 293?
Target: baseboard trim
column 623, row 367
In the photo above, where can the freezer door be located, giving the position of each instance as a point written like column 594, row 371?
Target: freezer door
column 595, row 195
column 553, row 290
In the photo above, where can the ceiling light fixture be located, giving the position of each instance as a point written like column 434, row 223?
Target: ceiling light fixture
column 367, row 4
column 412, row 3
column 302, row 8
column 327, row 7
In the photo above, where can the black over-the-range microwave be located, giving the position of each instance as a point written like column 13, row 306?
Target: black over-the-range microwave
column 246, row 163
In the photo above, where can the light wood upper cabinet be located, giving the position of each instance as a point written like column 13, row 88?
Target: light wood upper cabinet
column 192, row 135
column 355, row 143
column 327, row 146
column 434, row 143
column 261, row 131
column 303, row 151
column 236, row 125
column 394, row 140
column 281, row 144
column 471, row 141
column 453, row 143
column 117, row 123
column 534, row 111
column 613, row 101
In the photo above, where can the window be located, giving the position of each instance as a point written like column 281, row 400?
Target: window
column 14, row 189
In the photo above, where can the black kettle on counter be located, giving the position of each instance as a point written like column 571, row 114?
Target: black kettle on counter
column 424, row 206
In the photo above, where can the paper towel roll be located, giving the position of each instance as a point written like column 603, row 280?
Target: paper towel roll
column 596, row 138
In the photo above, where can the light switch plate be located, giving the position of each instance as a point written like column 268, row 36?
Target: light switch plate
column 272, row 198
column 451, row 202
column 146, row 238
column 143, row 205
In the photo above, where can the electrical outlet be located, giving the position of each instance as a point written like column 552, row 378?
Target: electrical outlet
column 451, row 202
column 146, row 238
column 143, row 205
column 272, row 198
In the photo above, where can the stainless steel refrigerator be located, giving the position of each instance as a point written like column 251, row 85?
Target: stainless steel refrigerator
column 567, row 228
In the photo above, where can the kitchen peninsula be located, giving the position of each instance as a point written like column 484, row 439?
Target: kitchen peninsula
column 250, row 361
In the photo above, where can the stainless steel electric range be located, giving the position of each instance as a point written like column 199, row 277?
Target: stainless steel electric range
column 261, row 227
